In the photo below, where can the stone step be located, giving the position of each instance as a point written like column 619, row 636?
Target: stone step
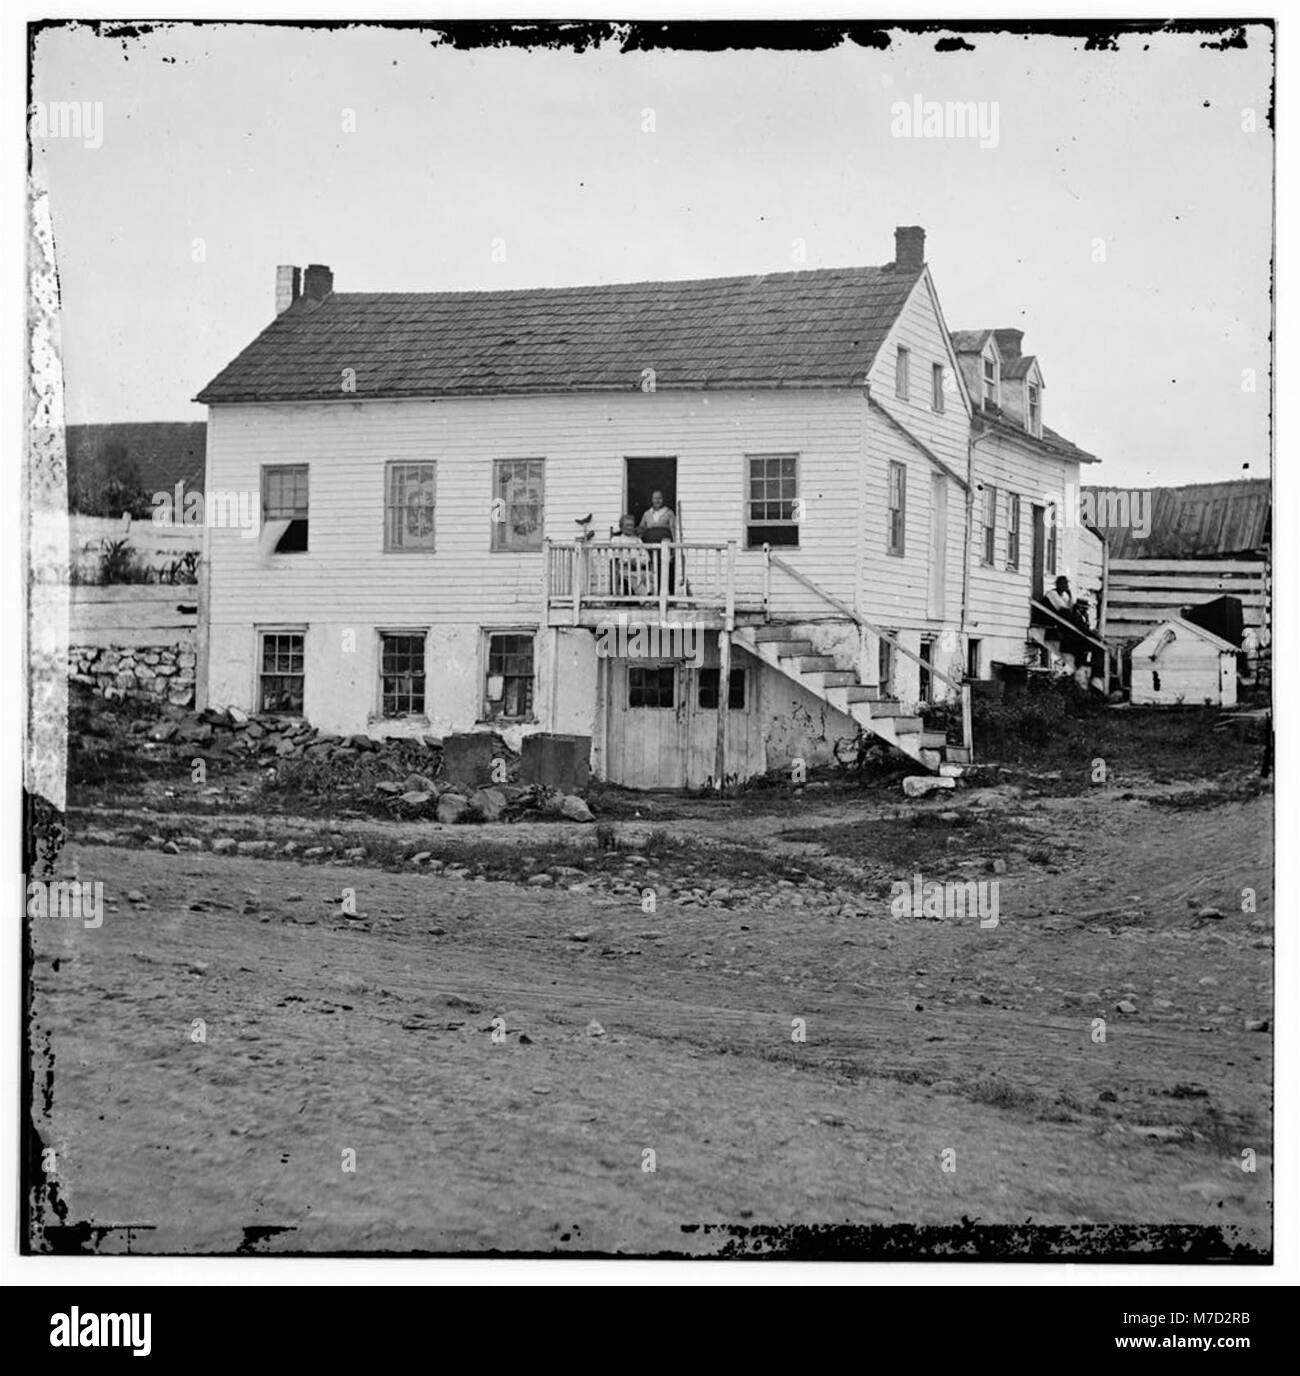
column 950, row 771
column 833, row 678
column 907, row 726
column 933, row 759
column 934, row 740
column 957, row 754
column 848, row 694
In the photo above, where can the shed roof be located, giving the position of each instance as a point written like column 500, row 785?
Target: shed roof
column 787, row 329
column 1179, row 624
column 1197, row 521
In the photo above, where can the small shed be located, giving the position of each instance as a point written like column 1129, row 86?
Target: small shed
column 1179, row 663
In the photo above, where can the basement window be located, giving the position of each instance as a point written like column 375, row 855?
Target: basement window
column 284, row 508
column 280, row 682
column 709, row 679
column 508, row 692
column 401, row 675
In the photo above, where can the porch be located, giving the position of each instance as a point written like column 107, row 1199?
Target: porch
column 587, row 582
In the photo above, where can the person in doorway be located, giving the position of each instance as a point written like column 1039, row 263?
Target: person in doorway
column 659, row 524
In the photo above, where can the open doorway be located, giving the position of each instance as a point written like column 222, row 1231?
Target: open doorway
column 645, row 476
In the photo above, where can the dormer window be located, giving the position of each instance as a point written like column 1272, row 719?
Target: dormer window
column 990, row 381
column 1034, row 415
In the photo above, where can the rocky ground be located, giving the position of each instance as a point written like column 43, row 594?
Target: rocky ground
column 301, row 1030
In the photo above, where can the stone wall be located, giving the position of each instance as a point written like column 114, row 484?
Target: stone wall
column 161, row 673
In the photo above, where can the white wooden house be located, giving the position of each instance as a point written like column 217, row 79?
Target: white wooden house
column 1025, row 482
column 431, row 465
column 1179, row 664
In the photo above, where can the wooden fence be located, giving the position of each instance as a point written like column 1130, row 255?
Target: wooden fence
column 1144, row 592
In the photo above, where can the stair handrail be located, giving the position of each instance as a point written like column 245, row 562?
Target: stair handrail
column 1104, row 645
column 962, row 686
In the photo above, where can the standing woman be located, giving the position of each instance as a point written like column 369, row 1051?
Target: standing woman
column 659, row 523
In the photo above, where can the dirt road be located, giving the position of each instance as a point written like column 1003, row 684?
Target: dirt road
column 463, row 1065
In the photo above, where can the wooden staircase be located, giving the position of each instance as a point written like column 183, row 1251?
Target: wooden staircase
column 842, row 688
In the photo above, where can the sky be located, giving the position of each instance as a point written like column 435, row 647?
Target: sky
column 1121, row 216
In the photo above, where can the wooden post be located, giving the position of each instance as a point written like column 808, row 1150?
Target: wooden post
column 967, row 730
column 724, row 702
column 767, row 582
column 724, row 669
column 664, row 546
column 578, row 570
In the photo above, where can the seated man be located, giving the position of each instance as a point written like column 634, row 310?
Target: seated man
column 630, row 573
column 1062, row 601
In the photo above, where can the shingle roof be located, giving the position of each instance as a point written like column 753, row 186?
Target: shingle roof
column 163, row 452
column 1049, row 441
column 1018, row 367
column 1197, row 521
column 969, row 341
column 785, row 329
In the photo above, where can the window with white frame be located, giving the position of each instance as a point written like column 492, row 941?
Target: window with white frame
column 772, row 500
column 284, row 506
column 1034, row 418
column 897, row 508
column 990, row 380
column 1013, row 530
column 401, row 674
column 281, row 673
column 989, row 522
column 902, row 368
column 508, row 690
column 518, row 504
column 936, row 387
column 410, row 491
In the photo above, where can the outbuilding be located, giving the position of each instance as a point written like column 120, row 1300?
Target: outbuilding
column 1178, row 663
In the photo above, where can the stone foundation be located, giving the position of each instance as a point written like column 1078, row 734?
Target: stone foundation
column 157, row 673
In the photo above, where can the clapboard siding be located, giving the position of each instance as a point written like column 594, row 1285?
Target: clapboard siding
column 584, row 439
column 999, row 596
column 893, row 590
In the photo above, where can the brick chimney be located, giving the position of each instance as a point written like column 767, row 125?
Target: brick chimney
column 288, row 288
column 317, row 282
column 1009, row 343
column 909, row 247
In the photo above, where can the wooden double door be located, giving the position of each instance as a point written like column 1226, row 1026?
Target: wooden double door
column 661, row 721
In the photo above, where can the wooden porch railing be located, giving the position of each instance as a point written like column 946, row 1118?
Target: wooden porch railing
column 683, row 575
column 961, row 686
